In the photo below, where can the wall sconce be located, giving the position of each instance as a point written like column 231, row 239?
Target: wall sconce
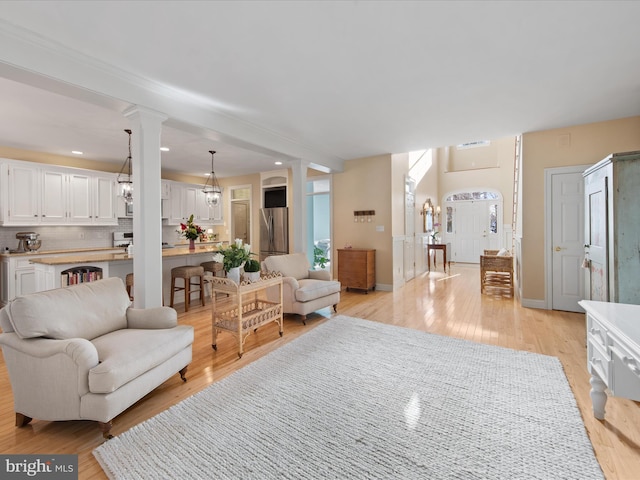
column 360, row 216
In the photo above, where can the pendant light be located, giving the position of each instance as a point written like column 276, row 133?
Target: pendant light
column 213, row 192
column 125, row 184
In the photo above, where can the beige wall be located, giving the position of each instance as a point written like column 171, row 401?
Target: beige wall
column 365, row 185
column 577, row 145
column 500, row 177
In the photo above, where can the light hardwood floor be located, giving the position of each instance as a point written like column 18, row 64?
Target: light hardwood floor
column 447, row 304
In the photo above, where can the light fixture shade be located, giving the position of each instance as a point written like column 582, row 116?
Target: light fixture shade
column 211, row 189
column 125, row 184
column 126, row 192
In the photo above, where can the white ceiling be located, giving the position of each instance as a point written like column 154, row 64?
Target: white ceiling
column 323, row 81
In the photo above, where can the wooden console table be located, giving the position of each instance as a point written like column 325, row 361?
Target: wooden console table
column 246, row 308
column 613, row 351
column 435, row 247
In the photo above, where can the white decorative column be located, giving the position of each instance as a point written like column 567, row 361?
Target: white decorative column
column 299, row 185
column 146, row 127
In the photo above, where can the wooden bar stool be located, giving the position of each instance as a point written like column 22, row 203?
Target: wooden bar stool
column 129, row 284
column 216, row 268
column 186, row 273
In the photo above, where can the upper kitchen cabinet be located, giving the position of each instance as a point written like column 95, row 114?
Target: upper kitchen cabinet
column 19, row 194
column 196, row 203
column 186, row 199
column 44, row 195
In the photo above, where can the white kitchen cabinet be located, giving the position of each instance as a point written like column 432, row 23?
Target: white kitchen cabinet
column 20, row 194
column 176, row 214
column 216, row 213
column 189, row 202
column 186, row 199
column 194, row 203
column 165, row 190
column 18, row 278
column 612, row 229
column 34, row 194
column 104, row 200
column 79, row 198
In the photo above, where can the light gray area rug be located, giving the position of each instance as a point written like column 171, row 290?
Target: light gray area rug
column 355, row 399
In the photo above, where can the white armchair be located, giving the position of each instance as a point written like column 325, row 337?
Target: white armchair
column 303, row 290
column 81, row 353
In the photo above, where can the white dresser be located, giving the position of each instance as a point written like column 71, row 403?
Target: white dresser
column 613, row 351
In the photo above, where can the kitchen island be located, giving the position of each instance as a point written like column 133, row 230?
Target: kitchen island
column 54, row 271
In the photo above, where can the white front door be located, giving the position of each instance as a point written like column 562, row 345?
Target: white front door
column 471, row 224
column 567, row 240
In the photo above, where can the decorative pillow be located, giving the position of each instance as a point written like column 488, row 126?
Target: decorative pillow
column 503, row 253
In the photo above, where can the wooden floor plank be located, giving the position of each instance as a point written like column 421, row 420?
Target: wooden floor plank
column 437, row 302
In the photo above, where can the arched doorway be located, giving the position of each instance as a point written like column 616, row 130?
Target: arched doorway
column 472, row 222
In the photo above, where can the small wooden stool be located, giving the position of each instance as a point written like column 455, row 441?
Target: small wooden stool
column 187, row 272
column 129, row 284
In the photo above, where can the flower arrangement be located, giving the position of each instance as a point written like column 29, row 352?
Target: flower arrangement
column 434, row 234
column 235, row 255
column 190, row 230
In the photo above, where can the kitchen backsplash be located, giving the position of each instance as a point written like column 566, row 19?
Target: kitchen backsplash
column 65, row 238
column 68, row 238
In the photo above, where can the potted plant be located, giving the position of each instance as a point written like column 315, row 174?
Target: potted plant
column 233, row 258
column 252, row 270
column 319, row 258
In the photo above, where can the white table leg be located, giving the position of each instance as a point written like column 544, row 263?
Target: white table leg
column 598, row 396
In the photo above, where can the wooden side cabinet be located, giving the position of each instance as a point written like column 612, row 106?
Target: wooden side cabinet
column 357, row 268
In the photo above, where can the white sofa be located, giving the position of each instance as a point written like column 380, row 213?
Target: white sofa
column 82, row 353
column 303, row 290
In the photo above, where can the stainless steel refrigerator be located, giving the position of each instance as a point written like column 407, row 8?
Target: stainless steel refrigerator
column 274, row 231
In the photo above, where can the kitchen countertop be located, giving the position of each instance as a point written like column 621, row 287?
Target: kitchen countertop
column 110, row 256
column 57, row 252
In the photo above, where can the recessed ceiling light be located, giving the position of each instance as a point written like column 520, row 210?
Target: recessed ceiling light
column 164, row 149
column 76, row 152
column 278, row 163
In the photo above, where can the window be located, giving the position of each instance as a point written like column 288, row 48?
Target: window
column 493, row 218
column 478, row 143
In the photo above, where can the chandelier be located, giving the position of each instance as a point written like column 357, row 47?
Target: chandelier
column 125, row 184
column 213, row 192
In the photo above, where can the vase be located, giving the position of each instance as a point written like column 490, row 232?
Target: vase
column 192, row 244
column 252, row 276
column 234, row 274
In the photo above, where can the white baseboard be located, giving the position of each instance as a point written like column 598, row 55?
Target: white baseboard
column 530, row 303
column 383, row 287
